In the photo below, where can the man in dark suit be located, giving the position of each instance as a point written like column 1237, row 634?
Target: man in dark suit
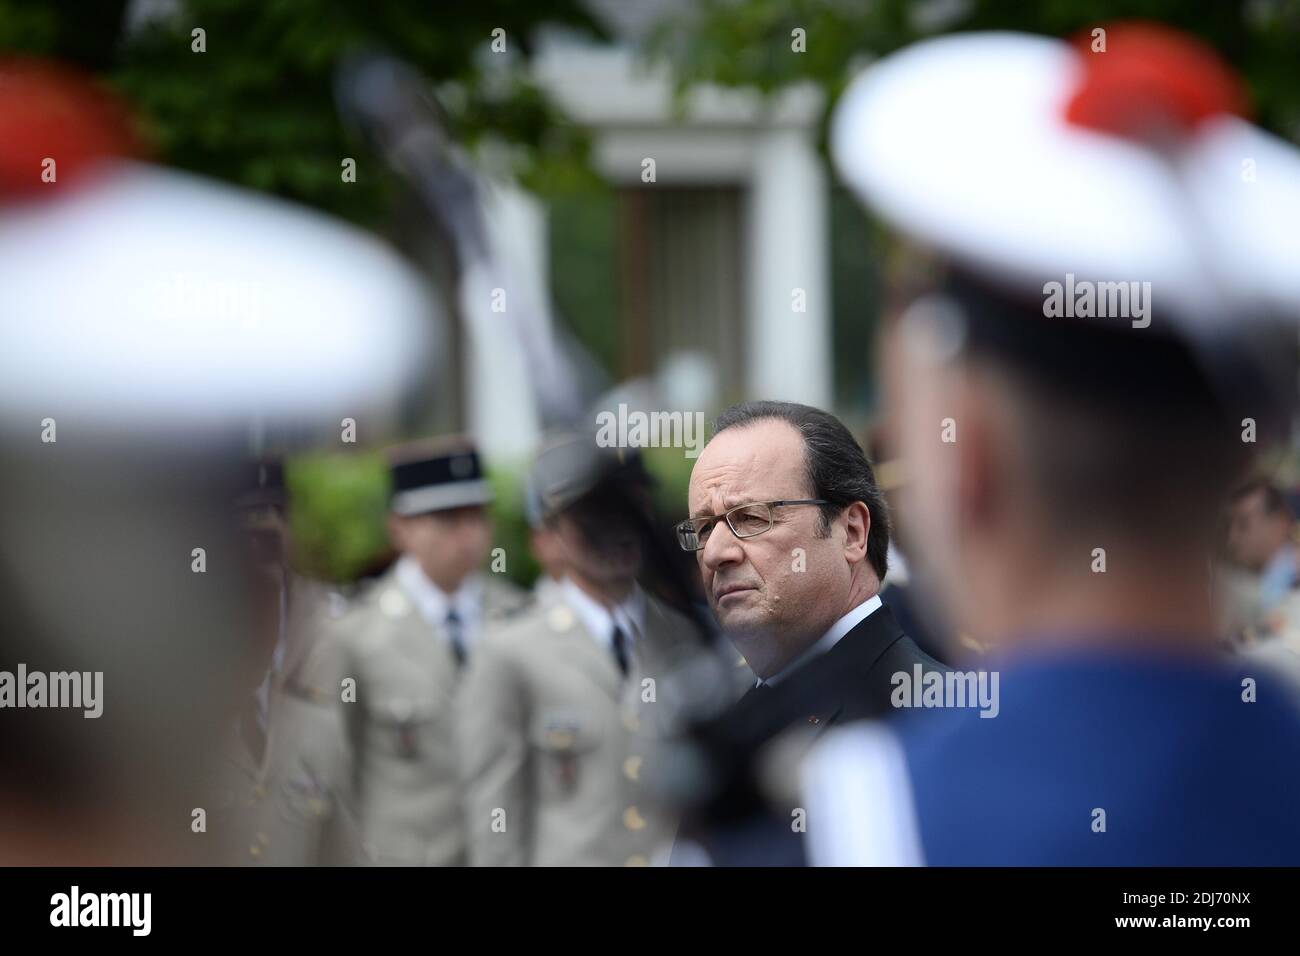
column 791, row 535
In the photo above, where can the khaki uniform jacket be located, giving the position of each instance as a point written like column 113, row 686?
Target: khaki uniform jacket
column 398, row 715
column 288, row 808
column 554, row 740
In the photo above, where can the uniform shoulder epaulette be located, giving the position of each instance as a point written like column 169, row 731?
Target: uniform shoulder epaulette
column 517, row 611
column 504, row 600
column 312, row 681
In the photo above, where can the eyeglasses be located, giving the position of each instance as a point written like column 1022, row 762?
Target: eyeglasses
column 745, row 521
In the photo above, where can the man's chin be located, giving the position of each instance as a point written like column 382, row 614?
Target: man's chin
column 743, row 625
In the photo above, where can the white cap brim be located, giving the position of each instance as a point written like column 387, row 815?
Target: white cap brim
column 159, row 297
column 962, row 143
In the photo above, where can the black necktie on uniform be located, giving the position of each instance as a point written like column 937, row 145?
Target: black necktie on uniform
column 619, row 640
column 456, row 636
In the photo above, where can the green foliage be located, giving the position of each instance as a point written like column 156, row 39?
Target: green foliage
column 339, row 501
column 856, row 247
column 338, row 506
column 336, row 515
column 510, row 530
column 28, row 27
column 584, row 269
column 257, row 108
column 671, row 471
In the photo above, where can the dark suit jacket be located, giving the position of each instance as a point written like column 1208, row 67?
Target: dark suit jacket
column 851, row 681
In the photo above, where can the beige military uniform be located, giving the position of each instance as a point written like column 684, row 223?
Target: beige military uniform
column 287, row 807
column 403, row 776
column 554, row 740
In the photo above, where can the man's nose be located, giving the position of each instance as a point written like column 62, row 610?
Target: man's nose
column 722, row 547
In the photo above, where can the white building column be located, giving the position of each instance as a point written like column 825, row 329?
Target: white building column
column 789, row 352
column 500, row 407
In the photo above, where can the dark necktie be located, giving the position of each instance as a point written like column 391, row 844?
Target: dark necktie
column 456, row 635
column 619, row 641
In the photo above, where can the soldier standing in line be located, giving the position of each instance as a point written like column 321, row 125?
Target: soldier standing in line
column 557, row 725
column 281, row 802
column 395, row 661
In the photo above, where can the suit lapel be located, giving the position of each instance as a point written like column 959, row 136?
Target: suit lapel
column 868, row 641
column 827, row 715
column 854, row 656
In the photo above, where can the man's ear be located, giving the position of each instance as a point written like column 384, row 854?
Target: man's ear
column 987, row 448
column 856, row 519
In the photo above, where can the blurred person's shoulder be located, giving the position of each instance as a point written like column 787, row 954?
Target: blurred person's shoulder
column 677, row 625
column 315, row 601
column 313, row 610
column 373, row 618
column 1279, row 657
column 1167, row 711
column 519, row 618
column 1164, row 741
column 503, row 600
column 668, row 631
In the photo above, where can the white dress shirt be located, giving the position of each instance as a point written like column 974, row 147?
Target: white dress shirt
column 434, row 604
column 828, row 640
column 599, row 620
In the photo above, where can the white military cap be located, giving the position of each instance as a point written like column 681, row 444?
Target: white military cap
column 136, row 293
column 1026, row 158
